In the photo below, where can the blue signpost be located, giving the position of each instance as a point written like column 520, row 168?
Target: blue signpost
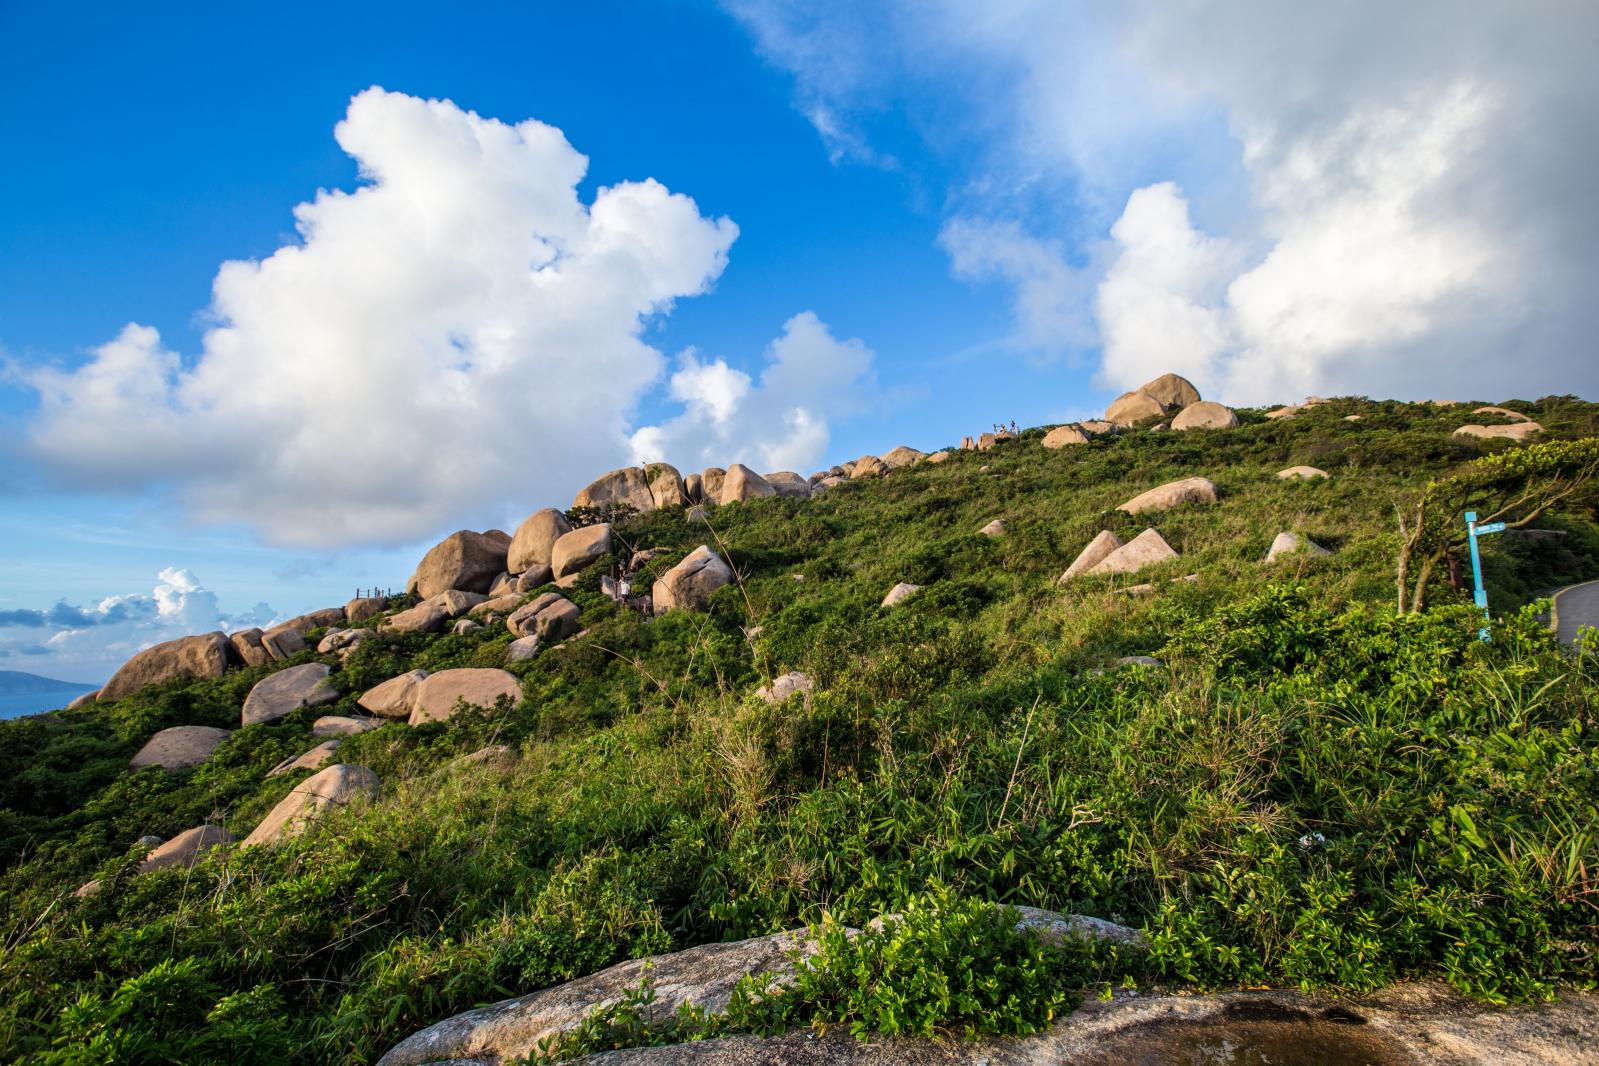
column 1480, row 592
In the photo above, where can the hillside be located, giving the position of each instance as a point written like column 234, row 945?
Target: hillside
column 23, row 693
column 1298, row 788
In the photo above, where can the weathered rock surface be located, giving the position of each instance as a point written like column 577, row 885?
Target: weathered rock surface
column 1097, row 551
column 325, row 790
column 1289, row 543
column 179, row 747
column 338, row 725
column 1061, row 436
column 83, row 700
column 454, row 603
column 438, row 694
column 688, row 586
column 939, row 457
column 742, row 483
column 781, row 688
column 694, row 488
column 287, row 691
column 625, row 486
column 1205, row 414
column 711, row 480
column 1174, row 494
column 463, row 560
column 1514, row 431
column 902, row 456
column 534, row 578
column 204, row 656
column 392, row 698
column 425, row 617
column 314, row 759
column 549, row 616
column 186, row 848
column 247, row 643
column 867, row 466
column 900, row 593
column 1131, row 408
column 500, row 605
column 788, row 483
column 994, row 528
column 535, row 539
column 303, row 624
column 1306, row 473
column 1171, row 390
column 1502, row 412
column 666, row 485
column 1282, row 412
column 281, row 644
column 364, row 607
column 580, row 549
column 521, row 649
column 1146, row 549
column 343, row 639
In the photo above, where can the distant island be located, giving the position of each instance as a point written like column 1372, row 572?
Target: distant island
column 22, row 693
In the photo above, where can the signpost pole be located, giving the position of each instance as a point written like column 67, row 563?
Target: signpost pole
column 1479, row 594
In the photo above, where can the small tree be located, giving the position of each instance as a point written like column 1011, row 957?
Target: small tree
column 1513, row 487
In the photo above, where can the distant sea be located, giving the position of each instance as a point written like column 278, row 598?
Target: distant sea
column 22, row 693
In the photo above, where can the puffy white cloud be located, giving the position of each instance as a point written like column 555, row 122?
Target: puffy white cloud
column 457, row 339
column 1374, row 198
column 89, row 643
column 783, row 423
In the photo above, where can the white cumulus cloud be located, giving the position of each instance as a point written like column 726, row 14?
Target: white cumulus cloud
column 458, row 338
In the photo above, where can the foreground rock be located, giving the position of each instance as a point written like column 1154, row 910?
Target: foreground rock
column 326, row 790
column 1174, row 494
column 1146, row 549
column 394, row 697
column 1205, row 415
column 1289, row 543
column 464, row 560
column 689, row 585
column 287, row 691
column 1097, row 551
column 187, row 658
column 535, row 539
column 1171, row 391
column 439, row 694
column 186, row 848
column 179, row 748
column 580, row 549
column 900, row 593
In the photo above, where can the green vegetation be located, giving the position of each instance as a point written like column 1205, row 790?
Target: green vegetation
column 1314, row 790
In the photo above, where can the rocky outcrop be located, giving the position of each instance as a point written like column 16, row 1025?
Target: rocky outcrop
column 902, row 456
column 1061, row 436
column 364, row 607
column 247, row 645
column 694, row 488
column 711, row 479
column 549, row 616
column 439, row 694
column 1174, row 494
column 1131, row 408
column 1146, row 549
column 1289, row 543
column 939, row 457
column 534, row 543
column 324, row 791
column 867, row 466
column 497, row 607
column 1303, row 473
column 689, row 585
column 742, row 483
column 788, row 483
column 392, row 698
column 580, row 549
column 455, row 603
column 425, row 617
column 464, row 626
column 1282, row 412
column 314, row 759
column 1097, row 551
column 464, row 560
column 784, row 687
column 186, row 848
column 187, row 658
column 287, row 691
column 282, row 644
column 1514, row 431
column 1171, row 391
column 900, row 593
column 343, row 640
column 627, row 486
column 1205, row 414
column 179, row 747
column 666, row 485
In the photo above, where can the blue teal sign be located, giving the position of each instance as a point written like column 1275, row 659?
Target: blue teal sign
column 1479, row 594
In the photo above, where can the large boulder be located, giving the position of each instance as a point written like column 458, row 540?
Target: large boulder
column 439, row 694
column 1290, row 543
column 303, row 624
column 454, row 603
column 1097, row 551
column 1061, row 436
column 549, row 616
column 1146, row 549
column 324, row 791
column 186, row 658
column 742, row 483
column 939, row 457
column 1205, row 414
column 900, row 593
column 694, row 488
column 902, row 456
column 711, row 479
column 666, row 485
column 1131, row 408
column 1514, row 431
column 393, row 698
column 364, row 607
column 868, row 466
column 537, row 577
column 463, row 560
column 1171, row 390
column 186, row 848
column 282, row 644
column 535, row 539
column 788, row 483
column 314, row 759
column 627, row 486
column 580, row 549
column 1173, row 494
column 247, row 644
column 500, row 605
column 179, row 747
column 287, row 691
column 689, row 584
column 426, row 617
column 1301, row 473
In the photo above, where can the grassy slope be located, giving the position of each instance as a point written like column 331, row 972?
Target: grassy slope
column 1314, row 793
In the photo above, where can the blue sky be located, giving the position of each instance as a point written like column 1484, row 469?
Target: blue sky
column 945, row 215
